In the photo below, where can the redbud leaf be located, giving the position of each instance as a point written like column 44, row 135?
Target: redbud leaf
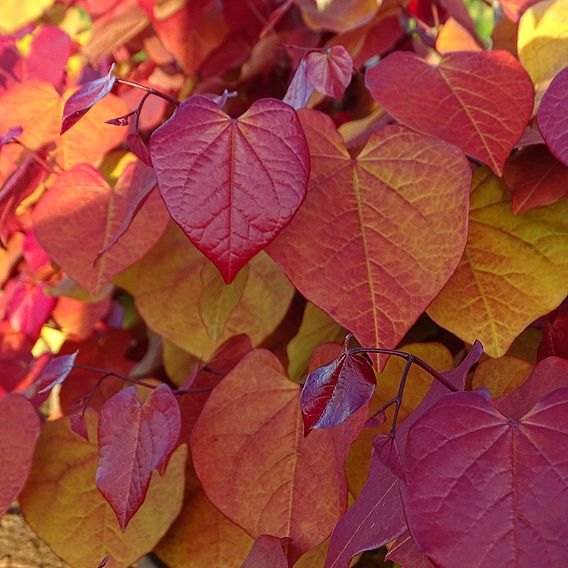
column 231, row 184
column 78, row 104
column 55, row 372
column 139, row 148
column 134, row 439
column 555, row 337
column 510, row 473
column 405, row 552
column 267, row 551
column 19, row 430
column 329, row 71
column 552, row 116
column 479, row 101
column 333, row 392
column 377, row 516
column 300, row 89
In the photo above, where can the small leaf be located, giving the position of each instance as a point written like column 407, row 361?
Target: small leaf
column 55, row 372
column 134, row 439
column 332, row 393
column 83, row 99
column 300, row 89
column 241, row 180
column 10, row 134
column 139, row 148
column 329, row 72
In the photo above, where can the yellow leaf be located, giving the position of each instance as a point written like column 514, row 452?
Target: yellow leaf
column 15, row 14
column 514, row 269
column 543, row 42
column 170, row 287
column 502, row 375
column 217, row 299
column 316, row 328
column 438, row 357
column 178, row 363
column 63, row 506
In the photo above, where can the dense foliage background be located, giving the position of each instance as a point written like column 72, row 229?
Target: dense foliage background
column 200, row 199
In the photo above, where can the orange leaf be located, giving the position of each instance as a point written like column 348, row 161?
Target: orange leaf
column 80, row 207
column 255, row 465
column 36, row 107
column 514, row 269
column 378, row 235
column 501, row 376
column 336, row 15
column 62, row 505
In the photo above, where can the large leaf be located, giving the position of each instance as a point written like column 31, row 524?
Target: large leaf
column 378, row 235
column 514, row 269
column 63, row 506
column 241, row 180
column 480, row 101
column 552, row 116
column 377, row 516
column 134, row 439
column 171, row 275
column 19, row 430
column 256, row 466
column 81, row 201
column 511, row 474
column 543, row 42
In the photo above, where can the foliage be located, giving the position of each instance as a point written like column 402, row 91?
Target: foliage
column 202, row 199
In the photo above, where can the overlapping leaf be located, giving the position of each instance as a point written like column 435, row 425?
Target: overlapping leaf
column 267, row 551
column 510, row 473
column 479, row 101
column 501, row 376
column 63, row 506
column 171, row 275
column 514, row 269
column 256, row 466
column 241, row 181
column 92, row 213
column 376, row 239
column 19, row 430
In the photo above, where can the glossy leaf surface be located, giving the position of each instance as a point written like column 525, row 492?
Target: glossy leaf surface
column 480, row 102
column 242, row 180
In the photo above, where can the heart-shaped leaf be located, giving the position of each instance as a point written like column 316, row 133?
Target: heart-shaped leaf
column 373, row 229
column 231, row 184
column 134, row 439
column 479, row 101
column 511, row 474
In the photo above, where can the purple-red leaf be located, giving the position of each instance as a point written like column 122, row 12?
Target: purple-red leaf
column 552, row 116
column 139, row 148
column 19, row 429
column 267, row 551
column 333, row 392
column 300, row 89
column 81, row 101
column 329, row 72
column 55, row 372
column 555, row 337
column 134, row 439
column 231, row 184
column 479, row 101
column 487, row 488
column 377, row 516
column 10, row 134
column 406, row 553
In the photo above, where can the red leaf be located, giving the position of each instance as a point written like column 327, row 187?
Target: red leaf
column 487, row 488
column 137, row 146
column 552, row 116
column 535, row 177
column 55, row 372
column 15, row 358
column 333, row 392
column 329, row 72
column 377, row 516
column 487, row 99
column 19, row 429
column 231, row 184
column 82, row 100
column 555, row 338
column 27, row 306
column 134, row 439
column 373, row 230
column 10, row 135
column 267, row 551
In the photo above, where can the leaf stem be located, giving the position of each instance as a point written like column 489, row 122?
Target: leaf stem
column 149, row 90
column 107, row 373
